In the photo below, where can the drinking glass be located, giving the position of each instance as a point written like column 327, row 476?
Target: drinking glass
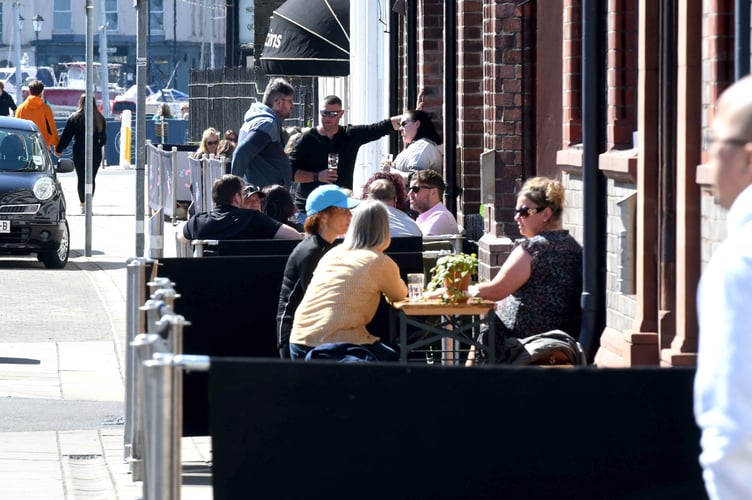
column 415, row 285
column 332, row 161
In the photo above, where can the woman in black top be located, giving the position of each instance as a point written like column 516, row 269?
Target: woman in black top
column 75, row 128
column 328, row 210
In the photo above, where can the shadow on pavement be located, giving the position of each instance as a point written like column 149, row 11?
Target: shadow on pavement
column 19, row 361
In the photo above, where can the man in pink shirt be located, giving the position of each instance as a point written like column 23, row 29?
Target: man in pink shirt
column 426, row 192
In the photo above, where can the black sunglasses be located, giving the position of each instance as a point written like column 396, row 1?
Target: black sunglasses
column 403, row 123
column 330, row 113
column 416, row 189
column 212, row 143
column 525, row 212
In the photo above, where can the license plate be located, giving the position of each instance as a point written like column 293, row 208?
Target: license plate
column 4, row 226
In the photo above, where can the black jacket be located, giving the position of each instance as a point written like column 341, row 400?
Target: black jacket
column 298, row 273
column 6, row 104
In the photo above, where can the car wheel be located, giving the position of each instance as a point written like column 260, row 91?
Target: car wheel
column 57, row 258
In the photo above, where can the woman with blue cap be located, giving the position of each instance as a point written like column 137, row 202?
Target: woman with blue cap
column 328, row 216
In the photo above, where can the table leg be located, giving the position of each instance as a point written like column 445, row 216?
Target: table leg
column 403, row 336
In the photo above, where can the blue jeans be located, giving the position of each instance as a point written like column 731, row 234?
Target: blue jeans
column 380, row 351
column 300, row 217
column 298, row 351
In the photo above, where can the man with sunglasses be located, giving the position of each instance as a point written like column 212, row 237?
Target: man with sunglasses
column 426, row 192
column 260, row 155
column 309, row 154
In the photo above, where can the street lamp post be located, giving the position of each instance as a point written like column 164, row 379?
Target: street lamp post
column 37, row 21
column 17, row 44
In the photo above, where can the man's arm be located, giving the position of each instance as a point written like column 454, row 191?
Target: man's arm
column 246, row 151
column 285, row 232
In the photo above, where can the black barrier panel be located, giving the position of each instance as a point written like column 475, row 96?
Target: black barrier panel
column 253, row 247
column 231, row 303
column 370, row 430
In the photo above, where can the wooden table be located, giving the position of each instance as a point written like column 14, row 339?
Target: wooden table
column 456, row 323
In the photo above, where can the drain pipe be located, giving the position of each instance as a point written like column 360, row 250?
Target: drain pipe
column 450, row 105
column 741, row 38
column 594, row 248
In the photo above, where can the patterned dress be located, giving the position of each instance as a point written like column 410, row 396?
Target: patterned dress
column 550, row 300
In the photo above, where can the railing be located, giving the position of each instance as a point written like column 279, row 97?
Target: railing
column 173, row 177
column 154, row 391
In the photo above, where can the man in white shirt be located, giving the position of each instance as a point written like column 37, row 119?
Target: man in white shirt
column 723, row 383
column 426, row 192
column 400, row 224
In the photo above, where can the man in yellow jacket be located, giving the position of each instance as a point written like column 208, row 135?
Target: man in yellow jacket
column 35, row 109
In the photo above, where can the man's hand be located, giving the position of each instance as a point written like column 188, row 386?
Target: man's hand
column 326, row 175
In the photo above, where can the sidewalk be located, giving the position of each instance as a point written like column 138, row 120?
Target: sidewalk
column 70, row 463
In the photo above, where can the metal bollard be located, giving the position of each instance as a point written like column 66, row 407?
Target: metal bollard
column 164, row 422
column 144, row 346
column 136, row 296
column 173, row 325
column 163, row 430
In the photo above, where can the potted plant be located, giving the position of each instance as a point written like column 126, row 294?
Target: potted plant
column 453, row 272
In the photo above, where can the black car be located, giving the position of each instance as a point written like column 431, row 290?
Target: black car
column 32, row 204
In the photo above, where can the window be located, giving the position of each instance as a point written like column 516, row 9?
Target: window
column 111, row 15
column 2, row 18
column 156, row 16
column 62, row 15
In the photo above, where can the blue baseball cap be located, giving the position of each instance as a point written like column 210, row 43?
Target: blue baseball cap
column 326, row 196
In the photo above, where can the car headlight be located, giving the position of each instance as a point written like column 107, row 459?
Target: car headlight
column 44, row 188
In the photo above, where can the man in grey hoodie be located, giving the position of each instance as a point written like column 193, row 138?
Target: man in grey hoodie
column 260, row 157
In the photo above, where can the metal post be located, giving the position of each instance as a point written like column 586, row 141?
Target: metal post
column 103, row 59
column 163, row 429
column 144, row 346
column 17, row 49
column 164, row 422
column 135, row 323
column 89, row 155
column 140, row 121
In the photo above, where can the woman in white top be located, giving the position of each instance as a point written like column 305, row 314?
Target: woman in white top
column 422, row 151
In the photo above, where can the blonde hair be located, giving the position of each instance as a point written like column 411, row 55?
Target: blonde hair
column 369, row 227
column 545, row 192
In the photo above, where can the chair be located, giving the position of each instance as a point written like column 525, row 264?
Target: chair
column 12, row 153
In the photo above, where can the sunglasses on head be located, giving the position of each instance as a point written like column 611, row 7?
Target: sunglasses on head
column 212, row 143
column 330, row 113
column 416, row 189
column 524, row 212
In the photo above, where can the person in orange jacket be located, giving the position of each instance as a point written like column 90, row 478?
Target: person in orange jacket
column 35, row 109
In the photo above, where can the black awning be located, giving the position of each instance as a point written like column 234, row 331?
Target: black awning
column 308, row 38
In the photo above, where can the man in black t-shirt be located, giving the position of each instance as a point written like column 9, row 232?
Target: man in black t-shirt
column 308, row 158
column 230, row 221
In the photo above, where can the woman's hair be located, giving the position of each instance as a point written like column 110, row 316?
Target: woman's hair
column 99, row 122
column 545, row 192
column 205, row 136
column 369, row 227
column 278, row 203
column 403, row 202
column 231, row 135
column 164, row 110
column 426, row 128
column 225, row 148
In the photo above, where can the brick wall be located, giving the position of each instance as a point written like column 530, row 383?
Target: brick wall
column 572, row 75
column 622, row 72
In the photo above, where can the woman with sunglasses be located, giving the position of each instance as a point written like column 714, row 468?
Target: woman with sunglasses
column 422, row 151
column 209, row 143
column 540, row 283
